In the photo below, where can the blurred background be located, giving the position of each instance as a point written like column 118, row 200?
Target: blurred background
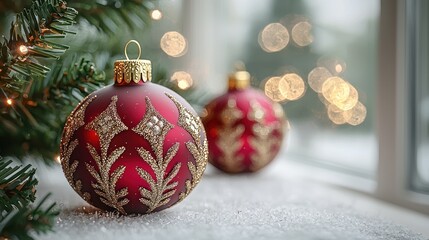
column 313, row 39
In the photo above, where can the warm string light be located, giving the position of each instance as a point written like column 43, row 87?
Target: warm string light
column 271, row 89
column 334, row 65
column 182, row 79
column 173, row 44
column 58, row 159
column 156, row 14
column 289, row 87
column 358, row 114
column 274, row 37
column 317, row 77
column 23, row 50
column 338, row 68
column 8, row 101
column 351, row 100
column 301, row 33
column 292, row 86
column 340, row 97
column 335, row 90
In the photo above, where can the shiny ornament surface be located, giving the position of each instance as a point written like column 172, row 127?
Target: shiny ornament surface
column 245, row 129
column 134, row 146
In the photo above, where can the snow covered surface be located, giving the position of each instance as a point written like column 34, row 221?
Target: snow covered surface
column 273, row 204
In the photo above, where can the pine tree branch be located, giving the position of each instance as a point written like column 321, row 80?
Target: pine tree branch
column 23, row 223
column 31, row 37
column 111, row 16
column 34, row 125
column 17, row 192
column 17, row 186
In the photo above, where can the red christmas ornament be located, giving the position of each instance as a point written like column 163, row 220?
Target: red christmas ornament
column 134, row 146
column 244, row 128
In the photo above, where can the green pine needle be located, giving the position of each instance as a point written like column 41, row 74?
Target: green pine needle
column 28, row 221
column 35, row 126
column 17, row 186
column 18, row 219
column 29, row 31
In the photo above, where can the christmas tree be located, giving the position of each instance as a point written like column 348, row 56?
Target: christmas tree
column 42, row 78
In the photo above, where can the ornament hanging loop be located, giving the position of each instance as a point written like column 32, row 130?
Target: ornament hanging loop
column 138, row 45
column 132, row 70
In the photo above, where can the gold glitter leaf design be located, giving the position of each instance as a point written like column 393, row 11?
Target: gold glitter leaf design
column 153, row 127
column 263, row 140
column 199, row 150
column 86, row 196
column 107, row 125
column 229, row 138
column 74, row 122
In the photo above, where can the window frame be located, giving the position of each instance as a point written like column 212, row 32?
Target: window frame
column 415, row 71
column 394, row 98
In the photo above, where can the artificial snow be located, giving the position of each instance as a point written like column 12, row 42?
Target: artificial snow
column 271, row 204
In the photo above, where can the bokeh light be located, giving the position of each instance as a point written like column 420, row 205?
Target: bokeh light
column 272, row 91
column 336, row 90
column 301, row 34
column 351, row 101
column 156, row 14
column 337, row 115
column 358, row 114
column 291, row 86
column 58, row 159
column 335, row 65
column 182, row 79
column 23, row 50
column 9, row 101
column 173, row 44
column 274, row 37
column 338, row 68
column 340, row 97
column 317, row 77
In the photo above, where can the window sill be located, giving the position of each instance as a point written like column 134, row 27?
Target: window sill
column 364, row 191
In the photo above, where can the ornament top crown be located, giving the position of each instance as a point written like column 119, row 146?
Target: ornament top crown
column 132, row 70
column 240, row 79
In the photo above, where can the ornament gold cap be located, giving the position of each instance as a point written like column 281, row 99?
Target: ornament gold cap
column 240, row 79
column 132, row 70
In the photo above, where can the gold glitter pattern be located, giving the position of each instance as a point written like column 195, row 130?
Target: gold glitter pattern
column 229, row 138
column 107, row 125
column 199, row 149
column 263, row 139
column 132, row 70
column 74, row 122
column 78, row 187
column 153, row 127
